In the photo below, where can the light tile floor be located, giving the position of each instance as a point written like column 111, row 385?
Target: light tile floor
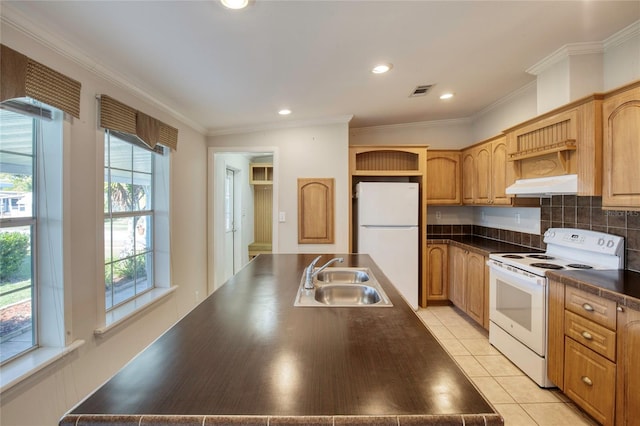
column 516, row 397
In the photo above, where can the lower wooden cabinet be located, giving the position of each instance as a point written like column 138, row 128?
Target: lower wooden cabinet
column 457, row 276
column 590, row 381
column 628, row 364
column 468, row 283
column 475, row 287
column 594, row 354
column 438, row 275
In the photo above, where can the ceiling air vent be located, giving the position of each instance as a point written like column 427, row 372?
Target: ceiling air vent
column 421, row 90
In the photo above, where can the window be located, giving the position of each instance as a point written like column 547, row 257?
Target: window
column 129, row 220
column 17, row 234
column 31, row 228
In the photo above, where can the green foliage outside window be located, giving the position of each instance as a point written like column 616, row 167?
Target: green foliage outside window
column 14, row 248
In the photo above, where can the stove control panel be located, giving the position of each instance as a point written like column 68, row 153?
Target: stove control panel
column 582, row 239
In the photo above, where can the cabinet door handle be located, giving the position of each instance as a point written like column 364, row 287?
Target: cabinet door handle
column 587, row 381
column 619, row 309
column 587, row 307
column 587, row 335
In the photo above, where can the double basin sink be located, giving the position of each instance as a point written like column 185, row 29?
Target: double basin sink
column 342, row 287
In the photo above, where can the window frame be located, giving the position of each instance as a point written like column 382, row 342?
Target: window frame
column 134, row 215
column 54, row 299
column 30, row 222
column 109, row 320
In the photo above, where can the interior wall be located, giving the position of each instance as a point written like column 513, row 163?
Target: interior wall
column 515, row 108
column 45, row 396
column 446, row 134
column 622, row 58
column 320, row 151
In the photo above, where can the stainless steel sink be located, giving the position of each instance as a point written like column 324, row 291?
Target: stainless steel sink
column 343, row 287
column 343, row 275
column 347, row 294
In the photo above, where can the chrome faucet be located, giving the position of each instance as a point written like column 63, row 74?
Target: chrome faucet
column 310, row 274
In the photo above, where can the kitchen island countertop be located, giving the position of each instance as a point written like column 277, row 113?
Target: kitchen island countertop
column 246, row 355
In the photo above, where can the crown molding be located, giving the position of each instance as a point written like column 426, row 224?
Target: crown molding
column 412, row 125
column 565, row 52
column 338, row 119
column 622, row 36
column 11, row 17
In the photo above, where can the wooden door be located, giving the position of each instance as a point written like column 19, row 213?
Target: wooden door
column 457, row 276
column 483, row 174
column 621, row 153
column 468, row 176
column 628, row 364
column 499, row 172
column 315, row 211
column 443, row 177
column 474, row 286
column 438, row 275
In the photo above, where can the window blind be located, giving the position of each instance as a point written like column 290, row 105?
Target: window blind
column 121, row 118
column 21, row 76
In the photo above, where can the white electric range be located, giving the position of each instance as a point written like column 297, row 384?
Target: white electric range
column 518, row 292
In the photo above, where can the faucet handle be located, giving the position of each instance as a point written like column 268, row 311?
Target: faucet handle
column 314, row 261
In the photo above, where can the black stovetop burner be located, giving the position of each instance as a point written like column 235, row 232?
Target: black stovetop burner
column 513, row 256
column 540, row 256
column 579, row 266
column 547, row 266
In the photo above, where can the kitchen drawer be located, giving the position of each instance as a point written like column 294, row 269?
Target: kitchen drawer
column 590, row 381
column 594, row 336
column 587, row 305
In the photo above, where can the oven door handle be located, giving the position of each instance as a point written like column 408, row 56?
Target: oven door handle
column 522, row 276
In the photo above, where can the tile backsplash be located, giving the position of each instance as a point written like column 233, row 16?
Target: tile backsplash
column 564, row 211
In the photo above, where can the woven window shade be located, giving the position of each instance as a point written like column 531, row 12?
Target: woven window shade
column 21, row 77
column 114, row 115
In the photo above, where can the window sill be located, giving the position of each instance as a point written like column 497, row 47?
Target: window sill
column 30, row 363
column 130, row 309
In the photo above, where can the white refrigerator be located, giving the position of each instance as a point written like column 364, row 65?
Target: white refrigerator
column 388, row 232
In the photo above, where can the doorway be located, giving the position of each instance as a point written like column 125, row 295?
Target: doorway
column 230, row 232
column 232, row 210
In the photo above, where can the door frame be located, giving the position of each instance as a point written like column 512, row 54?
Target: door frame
column 215, row 190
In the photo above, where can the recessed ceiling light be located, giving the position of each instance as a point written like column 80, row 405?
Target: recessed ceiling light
column 381, row 69
column 445, row 96
column 235, row 4
column 284, row 111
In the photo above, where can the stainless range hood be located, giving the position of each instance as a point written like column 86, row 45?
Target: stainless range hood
column 544, row 187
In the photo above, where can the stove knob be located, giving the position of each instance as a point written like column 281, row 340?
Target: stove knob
column 610, row 243
column 601, row 242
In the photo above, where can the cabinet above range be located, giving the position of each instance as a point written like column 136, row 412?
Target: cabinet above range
column 564, row 142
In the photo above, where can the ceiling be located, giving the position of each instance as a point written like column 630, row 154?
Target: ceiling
column 227, row 70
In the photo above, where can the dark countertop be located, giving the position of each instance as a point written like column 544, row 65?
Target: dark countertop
column 481, row 245
column 621, row 286
column 246, row 355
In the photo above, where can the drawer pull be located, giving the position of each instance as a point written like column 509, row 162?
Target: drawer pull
column 587, row 335
column 587, row 381
column 587, row 307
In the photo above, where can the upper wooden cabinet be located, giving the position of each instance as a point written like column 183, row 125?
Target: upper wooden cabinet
column 443, row 178
column 621, row 181
column 401, row 160
column 468, row 172
column 261, row 174
column 315, row 210
column 484, row 173
column 567, row 140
